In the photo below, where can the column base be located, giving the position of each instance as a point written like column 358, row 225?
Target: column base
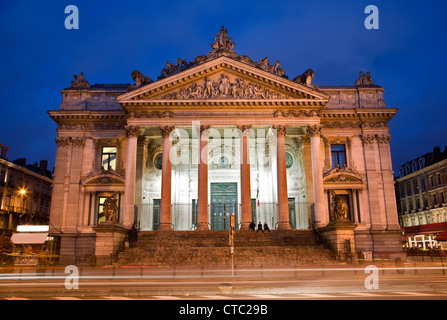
column 284, row 226
column 165, row 227
column 202, row 227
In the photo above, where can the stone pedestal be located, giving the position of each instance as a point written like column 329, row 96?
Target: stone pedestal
column 110, row 238
column 340, row 235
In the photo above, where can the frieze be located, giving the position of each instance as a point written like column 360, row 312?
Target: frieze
column 341, row 124
column 92, row 126
column 296, row 114
column 150, row 114
column 224, row 88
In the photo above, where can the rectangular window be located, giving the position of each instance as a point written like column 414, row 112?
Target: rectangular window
column 194, row 212
column 338, row 154
column 108, row 158
column 101, row 216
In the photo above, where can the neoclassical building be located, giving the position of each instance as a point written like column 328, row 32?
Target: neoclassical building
column 223, row 136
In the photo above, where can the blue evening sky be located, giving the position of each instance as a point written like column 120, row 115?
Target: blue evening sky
column 407, row 55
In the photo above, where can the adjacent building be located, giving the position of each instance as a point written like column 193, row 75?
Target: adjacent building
column 25, row 193
column 223, row 136
column 421, row 193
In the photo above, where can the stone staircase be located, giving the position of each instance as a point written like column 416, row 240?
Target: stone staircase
column 211, row 248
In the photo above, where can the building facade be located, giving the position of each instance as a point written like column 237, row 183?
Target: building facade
column 421, row 193
column 25, row 193
column 223, row 135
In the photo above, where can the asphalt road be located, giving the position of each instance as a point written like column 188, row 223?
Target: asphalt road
column 379, row 281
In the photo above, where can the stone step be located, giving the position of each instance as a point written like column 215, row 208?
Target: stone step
column 211, row 248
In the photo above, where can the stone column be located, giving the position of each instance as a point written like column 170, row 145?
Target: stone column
column 129, row 188
column 202, row 194
column 283, row 201
column 245, row 177
column 165, row 204
column 321, row 217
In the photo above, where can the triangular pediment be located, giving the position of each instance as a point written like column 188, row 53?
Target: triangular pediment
column 222, row 80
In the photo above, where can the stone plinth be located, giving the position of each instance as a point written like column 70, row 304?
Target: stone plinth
column 110, row 239
column 337, row 234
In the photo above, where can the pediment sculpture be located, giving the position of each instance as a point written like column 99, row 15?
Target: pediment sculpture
column 224, row 88
column 103, row 177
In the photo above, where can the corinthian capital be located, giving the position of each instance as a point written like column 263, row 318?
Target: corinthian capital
column 62, row 141
column 245, row 130
column 78, row 141
column 166, row 130
column 132, row 131
column 280, row 130
column 314, row 129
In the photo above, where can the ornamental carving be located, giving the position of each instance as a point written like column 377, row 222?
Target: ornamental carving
column 103, row 177
column 297, row 114
column 224, row 88
column 368, row 139
column 280, row 129
column 314, row 129
column 151, row 114
column 63, row 141
column 78, row 141
column 341, row 124
column 375, row 124
column 132, row 131
column 166, row 130
column 338, row 169
column 384, row 138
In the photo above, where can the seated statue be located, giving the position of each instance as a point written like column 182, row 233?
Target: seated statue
column 140, row 80
column 305, row 78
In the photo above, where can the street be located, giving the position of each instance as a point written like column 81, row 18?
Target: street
column 375, row 281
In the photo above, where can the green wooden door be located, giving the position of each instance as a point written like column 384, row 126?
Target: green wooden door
column 223, row 204
column 156, row 214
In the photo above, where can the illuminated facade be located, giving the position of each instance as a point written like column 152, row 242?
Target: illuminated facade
column 218, row 136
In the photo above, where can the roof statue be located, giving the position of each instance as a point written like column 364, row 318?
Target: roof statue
column 140, row 80
column 222, row 46
column 305, row 78
column 364, row 79
column 79, row 81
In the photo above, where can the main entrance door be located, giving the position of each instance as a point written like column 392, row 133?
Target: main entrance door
column 223, row 204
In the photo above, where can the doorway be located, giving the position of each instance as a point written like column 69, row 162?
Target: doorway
column 223, row 204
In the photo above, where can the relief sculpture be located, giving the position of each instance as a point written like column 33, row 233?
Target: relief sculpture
column 223, row 87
